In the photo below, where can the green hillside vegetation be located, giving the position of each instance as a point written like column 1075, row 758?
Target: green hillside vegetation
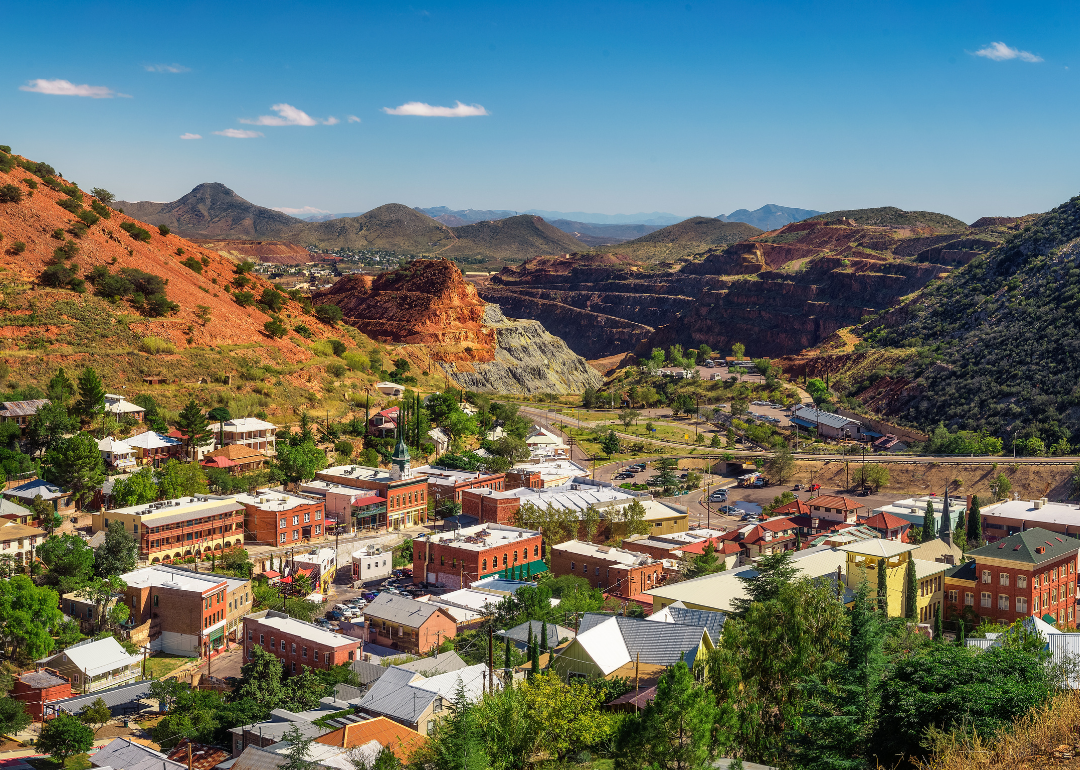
column 678, row 241
column 890, row 216
column 996, row 340
column 511, row 240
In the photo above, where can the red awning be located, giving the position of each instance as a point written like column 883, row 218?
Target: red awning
column 271, row 574
column 370, row 500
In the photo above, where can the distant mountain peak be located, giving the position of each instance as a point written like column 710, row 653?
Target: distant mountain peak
column 770, row 216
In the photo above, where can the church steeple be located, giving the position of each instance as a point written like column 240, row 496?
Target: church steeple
column 945, row 528
column 399, row 463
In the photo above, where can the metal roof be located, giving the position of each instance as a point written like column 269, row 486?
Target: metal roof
column 23, row 408
column 813, row 417
column 124, row 754
column 520, row 632
column 98, row 656
column 401, row 610
column 31, row 489
column 615, row 641
column 1024, row 547
column 713, row 622
column 114, row 697
column 442, row 663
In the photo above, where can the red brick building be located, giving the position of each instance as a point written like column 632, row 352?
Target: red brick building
column 449, row 483
column 282, row 519
column 406, row 497
column 296, row 643
column 457, row 559
column 490, row 509
column 36, row 688
column 516, row 478
column 616, row 572
column 407, row 624
column 1028, row 573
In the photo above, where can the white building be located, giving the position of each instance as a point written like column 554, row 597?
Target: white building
column 95, row 665
column 372, row 563
column 247, row 431
column 116, row 453
column 18, row 540
column 119, row 407
column 391, row 389
column 913, row 509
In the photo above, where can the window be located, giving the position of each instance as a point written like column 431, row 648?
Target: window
column 326, row 657
column 1053, row 574
column 986, row 576
column 985, row 598
column 271, row 642
column 293, row 649
column 953, row 594
column 262, row 640
column 504, row 559
column 1035, row 604
column 251, row 653
column 1021, row 581
column 282, row 523
column 283, row 645
column 295, row 520
column 598, row 572
column 294, row 667
column 1035, row 581
column 572, row 566
column 536, row 550
column 307, row 517
column 296, row 534
column 1003, row 578
column 318, row 529
column 303, row 650
column 1070, row 614
column 1021, row 604
column 251, row 634
column 430, row 726
column 155, row 600
column 1053, row 595
column 969, row 598
column 1003, row 602
column 318, row 515
column 282, row 539
column 485, row 565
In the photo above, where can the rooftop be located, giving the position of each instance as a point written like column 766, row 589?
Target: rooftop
column 181, row 508
column 269, row 500
column 309, row 631
column 357, row 472
column 244, row 424
column 10, row 530
column 812, row 416
column 1035, row 511
column 41, row 679
column 478, row 538
column 161, row 576
column 151, row 440
column 450, row 476
column 885, row 520
column 98, row 656
column 835, row 501
column 607, row 553
column 401, row 609
column 1033, row 546
column 878, row 547
column 32, row 489
column 23, row 408
column 576, row 496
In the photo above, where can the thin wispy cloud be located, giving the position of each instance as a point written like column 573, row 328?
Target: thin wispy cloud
column 306, row 211
column 239, row 133
column 174, row 69
column 287, row 115
column 189, row 135
column 331, row 121
column 353, row 119
column 420, row 109
column 67, row 88
column 1002, row 52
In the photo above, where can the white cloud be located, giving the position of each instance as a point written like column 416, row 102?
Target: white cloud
column 287, row 115
column 353, row 119
column 171, row 68
column 423, row 110
column 67, row 88
column 238, row 133
column 306, row 211
column 331, row 121
column 1002, row 52
column 190, row 136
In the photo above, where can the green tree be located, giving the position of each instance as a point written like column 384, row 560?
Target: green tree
column 534, row 659
column 48, row 426
column 629, row 416
column 27, row 613
column 61, row 389
column 774, row 573
column 818, row 390
column 656, row 360
column 911, row 592
column 91, row 393
column 564, row 717
column 974, row 524
column 70, row 561
column 75, row 464
column 929, row 524
column 705, row 563
column 298, row 751
column 192, row 423
column 137, row 489
column 101, row 592
column 14, row 718
column 154, row 419
column 458, row 743
column 610, row 443
column 301, row 462
column 96, row 713
column 176, row 479
column 781, row 465
column 939, row 626
column 666, row 467
column 261, row 680
column 883, row 587
column 738, row 350
column 631, row 519
column 1000, row 487
column 103, row 195
column 64, row 737
column 118, row 554
column 873, row 475
column 46, row 514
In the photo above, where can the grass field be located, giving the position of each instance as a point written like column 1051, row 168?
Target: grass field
column 77, row 762
column 160, row 664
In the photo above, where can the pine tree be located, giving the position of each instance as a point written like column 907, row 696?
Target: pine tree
column 929, row 524
column 91, row 393
column 61, row 389
column 534, row 667
column 883, row 587
column 460, row 741
column 529, row 644
column 974, row 524
column 911, row 592
column 939, row 627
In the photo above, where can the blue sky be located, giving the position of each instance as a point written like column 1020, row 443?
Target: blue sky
column 691, row 108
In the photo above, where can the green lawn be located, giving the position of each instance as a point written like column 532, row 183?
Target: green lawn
column 665, row 431
column 77, row 762
column 159, row 664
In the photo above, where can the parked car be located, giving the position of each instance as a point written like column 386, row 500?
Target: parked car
column 369, row 595
column 716, row 497
column 797, row 487
column 729, row 509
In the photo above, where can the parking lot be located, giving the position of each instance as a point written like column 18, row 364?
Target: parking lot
column 774, row 414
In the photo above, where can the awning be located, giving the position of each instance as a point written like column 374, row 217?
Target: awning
column 375, row 499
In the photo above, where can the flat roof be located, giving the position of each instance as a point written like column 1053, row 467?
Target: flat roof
column 438, row 475
column 617, row 555
column 1050, row 513
column 358, row 472
column 168, row 511
column 269, row 500
column 878, row 547
column 309, row 631
column 161, row 576
column 565, row 496
column 478, row 538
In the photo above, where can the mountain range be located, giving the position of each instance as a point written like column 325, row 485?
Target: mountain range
column 769, row 217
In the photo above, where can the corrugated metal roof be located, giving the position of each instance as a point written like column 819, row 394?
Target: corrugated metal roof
column 255, row 758
column 399, row 609
column 99, row 656
column 713, row 622
column 815, row 417
column 23, row 408
column 115, row 697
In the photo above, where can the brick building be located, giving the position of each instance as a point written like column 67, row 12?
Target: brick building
column 457, row 559
column 405, row 493
column 296, row 643
column 36, row 688
column 190, row 613
column 614, row 571
column 281, row 518
column 768, row 537
column 1027, row 573
column 407, row 624
column 186, row 526
column 449, row 483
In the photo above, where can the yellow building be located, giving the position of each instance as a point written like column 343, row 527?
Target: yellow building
column 865, row 558
column 931, row 579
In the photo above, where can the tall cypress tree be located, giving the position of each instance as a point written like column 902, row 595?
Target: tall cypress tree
column 883, row 586
column 939, row 626
column 506, row 653
column 961, row 637
column 534, row 668
column 929, row 523
column 543, row 636
column 530, row 638
column 974, row 524
column 911, row 592
column 91, row 393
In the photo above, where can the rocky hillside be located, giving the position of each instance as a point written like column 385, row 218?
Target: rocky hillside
column 890, row 216
column 274, row 252
column 512, row 240
column 679, row 241
column 428, row 304
column 777, row 293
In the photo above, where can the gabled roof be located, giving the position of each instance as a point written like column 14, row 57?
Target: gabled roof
column 795, row 507
column 678, row 612
column 121, row 695
column 808, row 414
column 835, row 501
column 32, row 489
column 151, row 440
column 401, row 610
column 22, row 408
column 124, row 754
column 10, row 530
column 520, row 632
column 967, row 571
column 111, row 444
column 615, row 641
column 202, row 757
column 237, row 453
column 98, row 657
column 404, row 694
column 886, row 521
column 1024, row 547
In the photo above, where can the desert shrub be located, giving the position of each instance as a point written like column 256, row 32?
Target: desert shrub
column 144, row 282
column 31, row 183
column 71, row 205
column 100, row 209
column 68, row 250
column 156, row 346
column 136, row 232
column 344, row 447
column 272, row 300
column 6, row 163
column 112, row 286
column 244, row 298
column 244, row 267
column 9, row 193
column 179, row 251
column 79, row 229
column 358, row 362
column 329, row 314
column 205, row 261
column 58, row 234
column 163, row 229
column 275, row 328
column 338, row 347
column 58, row 276
column 39, row 168
column 18, row 247
column 88, row 218
column 5, row 148
column 192, row 264
column 302, row 330
column 335, row 369
column 103, row 195
column 322, row 348
column 158, row 305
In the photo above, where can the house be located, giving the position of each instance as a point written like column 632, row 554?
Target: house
column 1011, row 516
column 366, row 738
column 456, row 559
column 202, row 757
column 190, row 613
column 116, row 454
column 442, row 441
column 119, row 407
column 930, row 579
column 36, row 688
column 18, row 541
column 677, row 612
column 62, row 500
column 95, row 664
column 126, row 754
column 1029, row 573
column 84, row 611
column 727, row 551
column 439, row 663
column 767, row 537
column 419, row 702
column 186, row 526
column 372, row 563
column 391, row 389
column 835, row 508
column 615, row 571
column 20, row 412
column 403, row 494
column 122, row 700
column 296, row 643
column 251, row 432
column 449, row 483
column 152, row 448
column 609, row 647
column 888, row 526
column 348, row 507
column 830, row 424
column 384, row 423
column 18, row 514
column 237, row 459
column 264, row 734
column 543, row 441
column 865, row 558
column 281, row 518
column 519, row 635
column 407, row 624
column 323, row 564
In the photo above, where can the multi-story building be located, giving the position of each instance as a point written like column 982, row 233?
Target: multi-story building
column 549, row 473
column 405, row 493
column 153, row 448
column 116, row 454
column 866, row 558
column 119, row 407
column 614, row 571
column 18, row 541
column 323, row 565
column 280, row 518
column 36, row 688
column 186, row 526
column 372, row 563
column 190, row 613
column 1027, row 573
column 407, row 624
column 449, row 483
column 20, row 412
column 62, row 500
column 237, row 459
column 767, row 537
column 247, row 431
column 383, row 424
column 457, row 559
column 296, row 643
column 1011, row 516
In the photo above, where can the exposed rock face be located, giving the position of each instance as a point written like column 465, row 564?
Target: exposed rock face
column 527, row 360
column 428, row 302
